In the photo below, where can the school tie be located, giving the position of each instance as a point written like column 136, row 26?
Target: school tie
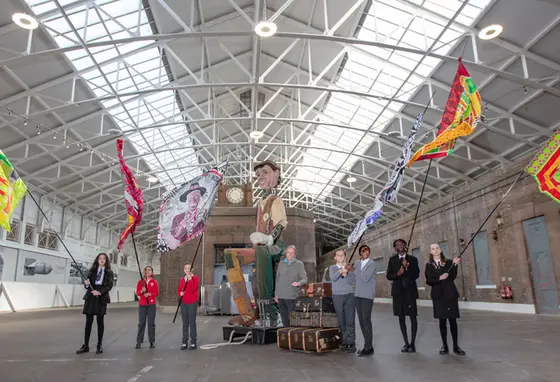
column 99, row 275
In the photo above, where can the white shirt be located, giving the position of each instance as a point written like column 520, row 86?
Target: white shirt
column 364, row 263
column 438, row 263
column 401, row 257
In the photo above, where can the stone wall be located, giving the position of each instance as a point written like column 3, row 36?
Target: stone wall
column 456, row 217
column 233, row 225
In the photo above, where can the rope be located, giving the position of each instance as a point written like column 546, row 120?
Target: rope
column 230, row 342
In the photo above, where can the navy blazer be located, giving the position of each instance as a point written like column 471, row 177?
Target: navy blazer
column 365, row 279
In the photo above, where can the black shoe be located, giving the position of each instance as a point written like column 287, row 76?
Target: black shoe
column 152, row 345
column 365, row 351
column 444, row 350
column 138, row 346
column 193, row 347
column 405, row 348
column 183, row 346
column 458, row 350
column 99, row 349
column 412, row 348
column 83, row 349
column 350, row 348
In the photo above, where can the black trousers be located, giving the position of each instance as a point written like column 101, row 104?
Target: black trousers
column 188, row 315
column 286, row 306
column 100, row 328
column 146, row 312
column 345, row 308
column 364, row 306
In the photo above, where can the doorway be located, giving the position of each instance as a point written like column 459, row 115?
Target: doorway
column 542, row 270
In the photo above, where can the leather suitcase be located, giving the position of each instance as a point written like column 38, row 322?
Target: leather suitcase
column 316, row 290
column 314, row 319
column 322, row 340
column 315, row 304
column 290, row 338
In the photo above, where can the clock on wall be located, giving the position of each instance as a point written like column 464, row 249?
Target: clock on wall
column 235, row 195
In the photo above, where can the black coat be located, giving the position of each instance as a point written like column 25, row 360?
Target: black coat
column 97, row 305
column 405, row 283
column 444, row 293
column 404, row 289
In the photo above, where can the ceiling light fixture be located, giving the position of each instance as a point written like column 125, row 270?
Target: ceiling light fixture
column 350, row 179
column 491, row 31
column 152, row 179
column 25, row 21
column 266, row 28
column 256, row 134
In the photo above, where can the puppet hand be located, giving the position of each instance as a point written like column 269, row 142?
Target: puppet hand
column 261, row 238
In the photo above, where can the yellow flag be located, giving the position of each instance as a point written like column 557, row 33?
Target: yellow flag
column 12, row 190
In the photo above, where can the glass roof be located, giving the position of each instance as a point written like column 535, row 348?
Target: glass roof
column 389, row 74
column 127, row 67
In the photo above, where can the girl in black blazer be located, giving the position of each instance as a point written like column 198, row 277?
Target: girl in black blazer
column 440, row 275
column 98, row 283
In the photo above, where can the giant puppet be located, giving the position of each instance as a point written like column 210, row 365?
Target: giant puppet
column 267, row 249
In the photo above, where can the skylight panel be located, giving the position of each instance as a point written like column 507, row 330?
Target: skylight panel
column 382, row 72
column 143, row 69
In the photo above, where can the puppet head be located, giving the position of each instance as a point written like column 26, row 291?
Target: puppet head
column 268, row 174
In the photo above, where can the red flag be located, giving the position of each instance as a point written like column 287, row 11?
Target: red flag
column 132, row 196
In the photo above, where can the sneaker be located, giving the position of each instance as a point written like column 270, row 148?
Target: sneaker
column 193, row 347
column 183, row 346
column 351, row 348
column 152, row 345
column 138, row 346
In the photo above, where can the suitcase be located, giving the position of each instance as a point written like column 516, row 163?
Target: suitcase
column 316, row 290
column 290, row 338
column 315, row 304
column 314, row 319
column 322, row 340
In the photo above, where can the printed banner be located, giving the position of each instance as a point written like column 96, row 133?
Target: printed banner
column 12, row 190
column 371, row 216
column 545, row 167
column 185, row 209
column 462, row 113
column 132, row 196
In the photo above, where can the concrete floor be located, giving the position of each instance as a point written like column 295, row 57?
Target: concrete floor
column 40, row 346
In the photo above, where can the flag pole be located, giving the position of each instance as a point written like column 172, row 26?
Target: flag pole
column 185, row 287
column 59, row 238
column 138, row 262
column 418, row 205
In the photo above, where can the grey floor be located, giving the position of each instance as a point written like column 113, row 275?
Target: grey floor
column 40, row 346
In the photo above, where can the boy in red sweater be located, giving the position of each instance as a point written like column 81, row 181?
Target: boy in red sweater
column 147, row 291
column 188, row 291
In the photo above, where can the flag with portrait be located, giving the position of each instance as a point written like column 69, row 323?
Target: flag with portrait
column 185, row 209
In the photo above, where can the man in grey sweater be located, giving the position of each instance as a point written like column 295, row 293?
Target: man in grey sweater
column 290, row 275
column 343, row 284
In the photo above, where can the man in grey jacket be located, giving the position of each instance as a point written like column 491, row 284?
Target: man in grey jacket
column 290, row 275
column 364, row 295
column 343, row 299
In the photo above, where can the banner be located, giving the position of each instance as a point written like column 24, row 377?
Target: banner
column 12, row 190
column 545, row 167
column 185, row 209
column 132, row 196
column 462, row 113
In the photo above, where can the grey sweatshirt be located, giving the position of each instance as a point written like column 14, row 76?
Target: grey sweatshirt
column 286, row 274
column 342, row 285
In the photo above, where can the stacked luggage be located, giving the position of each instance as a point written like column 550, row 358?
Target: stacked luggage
column 313, row 326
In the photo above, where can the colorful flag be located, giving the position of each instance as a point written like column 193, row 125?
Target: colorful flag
column 545, row 167
column 371, row 216
column 132, row 196
column 185, row 209
column 12, row 190
column 391, row 189
column 462, row 113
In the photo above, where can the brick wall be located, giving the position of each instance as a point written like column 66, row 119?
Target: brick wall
column 233, row 225
column 457, row 217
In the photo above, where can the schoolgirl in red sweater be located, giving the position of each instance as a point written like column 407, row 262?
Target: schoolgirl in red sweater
column 188, row 291
column 147, row 291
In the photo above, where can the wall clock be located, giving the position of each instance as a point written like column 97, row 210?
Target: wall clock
column 234, row 195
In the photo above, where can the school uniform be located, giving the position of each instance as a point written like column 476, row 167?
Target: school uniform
column 189, row 305
column 444, row 293
column 147, row 310
column 344, row 305
column 364, row 295
column 404, row 289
